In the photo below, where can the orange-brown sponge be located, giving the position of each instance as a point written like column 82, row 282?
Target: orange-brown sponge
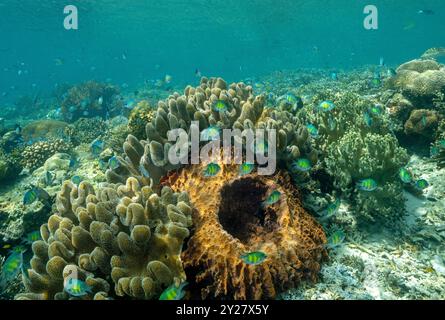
column 230, row 220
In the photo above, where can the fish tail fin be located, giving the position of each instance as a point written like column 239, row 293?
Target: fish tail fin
column 183, row 285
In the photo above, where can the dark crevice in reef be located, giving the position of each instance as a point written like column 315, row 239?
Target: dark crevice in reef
column 420, row 145
column 325, row 180
column 241, row 212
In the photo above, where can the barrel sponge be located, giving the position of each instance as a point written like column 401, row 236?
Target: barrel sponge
column 244, row 111
column 122, row 240
column 229, row 221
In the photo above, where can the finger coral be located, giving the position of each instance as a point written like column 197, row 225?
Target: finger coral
column 229, row 221
column 121, row 240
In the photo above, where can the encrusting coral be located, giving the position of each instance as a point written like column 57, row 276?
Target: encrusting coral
column 43, row 129
column 121, row 240
column 230, row 220
column 85, row 130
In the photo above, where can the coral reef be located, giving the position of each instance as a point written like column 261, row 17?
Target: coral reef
column 91, row 99
column 9, row 167
column 230, row 221
column 419, row 80
column 416, row 105
column 10, row 141
column 36, row 154
column 422, row 123
column 58, row 166
column 245, row 111
column 399, row 110
column 356, row 156
column 15, row 218
column 139, row 117
column 354, row 144
column 43, row 129
column 117, row 134
column 121, row 240
column 437, row 150
column 85, row 130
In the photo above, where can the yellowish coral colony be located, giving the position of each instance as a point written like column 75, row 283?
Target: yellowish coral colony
column 121, row 240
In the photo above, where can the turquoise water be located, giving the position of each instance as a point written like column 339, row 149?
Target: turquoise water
column 360, row 121
column 233, row 39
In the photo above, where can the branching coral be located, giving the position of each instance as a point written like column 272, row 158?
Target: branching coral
column 356, row 143
column 371, row 207
column 348, row 115
column 229, row 221
column 36, row 154
column 357, row 156
column 85, row 130
column 91, row 99
column 124, row 237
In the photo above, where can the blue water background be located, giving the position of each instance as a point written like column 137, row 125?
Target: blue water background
column 130, row 41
